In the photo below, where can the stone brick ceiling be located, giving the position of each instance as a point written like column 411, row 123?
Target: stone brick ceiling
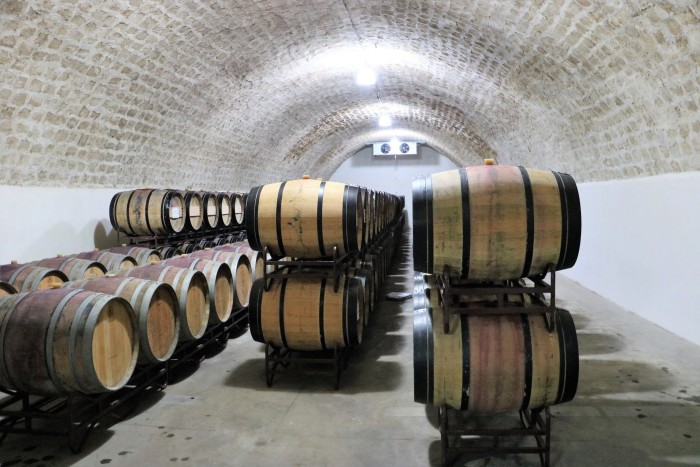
column 227, row 94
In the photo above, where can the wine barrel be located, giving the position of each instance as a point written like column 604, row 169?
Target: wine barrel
column 240, row 268
column 223, row 202
column 194, row 212
column 27, row 277
column 495, row 222
column 142, row 255
column 238, row 208
column 493, row 363
column 112, row 261
column 147, row 212
column 61, row 341
column 257, row 261
column 192, row 295
column 366, row 278
column 220, row 280
column 304, row 313
column 169, row 251
column 6, row 289
column 155, row 304
column 211, row 210
column 304, row 218
column 74, row 268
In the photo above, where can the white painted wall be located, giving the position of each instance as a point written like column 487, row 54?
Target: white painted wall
column 393, row 175
column 640, row 247
column 41, row 222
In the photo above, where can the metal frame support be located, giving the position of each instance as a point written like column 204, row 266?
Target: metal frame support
column 276, row 357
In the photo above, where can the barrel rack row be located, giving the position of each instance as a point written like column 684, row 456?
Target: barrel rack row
column 277, row 359
column 75, row 416
column 535, row 424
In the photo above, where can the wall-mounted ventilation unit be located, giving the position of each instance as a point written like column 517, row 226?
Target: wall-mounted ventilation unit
column 395, row 148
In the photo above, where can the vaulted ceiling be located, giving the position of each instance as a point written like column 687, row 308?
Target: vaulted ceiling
column 227, row 94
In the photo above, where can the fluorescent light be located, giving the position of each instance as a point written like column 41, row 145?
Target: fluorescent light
column 384, row 121
column 365, row 77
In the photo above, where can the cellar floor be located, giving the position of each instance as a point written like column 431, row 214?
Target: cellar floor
column 638, row 403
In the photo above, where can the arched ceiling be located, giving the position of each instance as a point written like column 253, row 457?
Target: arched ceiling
column 228, row 94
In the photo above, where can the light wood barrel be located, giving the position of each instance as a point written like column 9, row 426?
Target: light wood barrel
column 28, row 277
column 493, row 363
column 112, row 261
column 147, row 212
column 257, row 262
column 74, row 268
column 240, row 267
column 366, row 279
column 192, row 295
column 62, row 341
column 238, row 209
column 211, row 210
column 223, row 201
column 220, row 280
column 304, row 313
column 155, row 304
column 194, row 210
column 495, row 222
column 142, row 255
column 305, row 218
column 6, row 289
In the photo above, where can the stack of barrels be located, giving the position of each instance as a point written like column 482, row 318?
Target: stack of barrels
column 306, row 220
column 209, row 218
column 83, row 322
column 493, row 226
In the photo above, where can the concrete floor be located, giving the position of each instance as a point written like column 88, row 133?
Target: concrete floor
column 638, row 403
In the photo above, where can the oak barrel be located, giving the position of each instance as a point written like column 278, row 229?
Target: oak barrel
column 28, row 277
column 147, row 212
column 238, row 209
column 112, row 261
column 61, row 341
column 493, row 363
column 142, row 255
column 155, row 304
column 192, row 295
column 367, row 280
column 240, row 268
column 304, row 313
column 495, row 222
column 6, row 289
column 223, row 202
column 169, row 251
column 305, row 218
column 220, row 280
column 194, row 211
column 211, row 210
column 74, row 268
column 256, row 258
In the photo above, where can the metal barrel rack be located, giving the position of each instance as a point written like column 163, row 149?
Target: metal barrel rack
column 275, row 357
column 154, row 241
column 536, row 425
column 74, row 416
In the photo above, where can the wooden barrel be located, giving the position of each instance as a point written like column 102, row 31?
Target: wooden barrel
column 495, row 222
column 211, row 210
column 192, row 295
column 238, row 209
column 74, row 268
column 27, row 277
column 223, row 202
column 142, row 255
column 305, row 218
column 240, row 268
column 220, row 280
column 147, row 212
column 62, row 341
column 112, row 261
column 190, row 247
column 493, row 363
column 169, row 251
column 304, row 313
column 6, row 289
column 155, row 304
column 366, row 279
column 194, row 212
column 257, row 262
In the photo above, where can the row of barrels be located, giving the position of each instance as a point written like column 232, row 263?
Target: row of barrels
column 306, row 313
column 308, row 218
column 156, row 212
column 87, row 334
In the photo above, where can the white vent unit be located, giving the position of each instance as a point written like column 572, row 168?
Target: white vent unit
column 395, row 148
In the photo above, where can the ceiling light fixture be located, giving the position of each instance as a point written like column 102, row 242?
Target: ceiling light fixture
column 384, row 121
column 366, row 77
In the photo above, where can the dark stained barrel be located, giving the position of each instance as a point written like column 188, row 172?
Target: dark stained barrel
column 6, row 289
column 495, row 222
column 112, row 261
column 142, row 255
column 305, row 218
column 147, row 212
column 74, row 268
column 304, row 313
column 28, row 277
